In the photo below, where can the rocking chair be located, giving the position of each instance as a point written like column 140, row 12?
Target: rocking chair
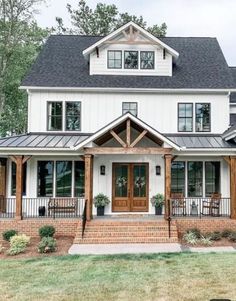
column 178, row 204
column 212, row 207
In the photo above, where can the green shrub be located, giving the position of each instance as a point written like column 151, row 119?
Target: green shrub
column 216, row 235
column 47, row 245
column 190, row 238
column 8, row 234
column 226, row 233
column 158, row 200
column 232, row 236
column 47, row 231
column 206, row 240
column 1, row 249
column 101, row 200
column 18, row 244
column 196, row 231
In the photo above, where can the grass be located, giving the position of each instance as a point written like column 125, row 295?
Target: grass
column 163, row 277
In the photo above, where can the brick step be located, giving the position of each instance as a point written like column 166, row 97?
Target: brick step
column 128, row 229
column 126, row 240
column 128, row 223
column 129, row 234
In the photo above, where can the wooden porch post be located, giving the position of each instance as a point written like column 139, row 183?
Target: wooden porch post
column 3, row 164
column 233, row 186
column 168, row 159
column 89, row 185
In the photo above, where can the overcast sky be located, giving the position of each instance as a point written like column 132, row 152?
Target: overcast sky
column 212, row 18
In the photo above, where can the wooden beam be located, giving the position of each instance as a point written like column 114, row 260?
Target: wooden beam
column 128, row 132
column 227, row 159
column 3, row 163
column 118, row 139
column 19, row 186
column 125, row 34
column 13, row 159
column 89, row 185
column 26, row 158
column 127, row 150
column 233, row 186
column 140, row 137
column 168, row 159
column 173, row 158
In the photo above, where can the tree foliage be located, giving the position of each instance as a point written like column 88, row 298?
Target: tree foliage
column 102, row 20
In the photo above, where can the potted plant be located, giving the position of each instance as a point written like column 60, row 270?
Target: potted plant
column 100, row 201
column 158, row 201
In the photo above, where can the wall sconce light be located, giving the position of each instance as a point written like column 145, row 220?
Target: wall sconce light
column 102, row 170
column 158, row 170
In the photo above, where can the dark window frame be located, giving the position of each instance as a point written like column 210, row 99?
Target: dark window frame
column 130, row 102
column 137, row 60
column 141, row 60
column 114, row 59
column 48, row 103
column 53, row 164
column 24, row 170
column 74, row 176
column 65, row 126
column 202, row 103
column 56, row 186
column 185, row 103
column 184, row 188
column 205, row 163
column 202, row 179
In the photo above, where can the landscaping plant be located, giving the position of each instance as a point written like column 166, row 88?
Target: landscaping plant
column 206, row 240
column 196, row 232
column 18, row 244
column 232, row 236
column 190, row 238
column 158, row 200
column 226, row 233
column 8, row 234
column 47, row 231
column 215, row 236
column 47, row 245
column 101, row 200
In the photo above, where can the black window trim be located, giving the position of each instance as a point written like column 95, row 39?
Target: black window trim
column 197, row 103
column 52, row 101
column 108, row 59
column 185, row 103
column 65, row 128
column 203, row 180
column 138, row 68
column 135, row 102
column 53, row 161
column 145, row 51
column 205, row 163
column 185, row 168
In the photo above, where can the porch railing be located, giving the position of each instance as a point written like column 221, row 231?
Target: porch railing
column 200, row 207
column 7, row 207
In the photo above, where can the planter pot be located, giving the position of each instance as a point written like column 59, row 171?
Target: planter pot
column 100, row 211
column 158, row 210
column 42, row 210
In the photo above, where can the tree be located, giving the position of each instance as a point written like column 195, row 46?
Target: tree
column 103, row 20
column 20, row 40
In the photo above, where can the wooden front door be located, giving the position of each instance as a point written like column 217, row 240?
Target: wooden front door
column 130, row 187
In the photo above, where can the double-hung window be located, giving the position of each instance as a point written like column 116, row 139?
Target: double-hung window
column 73, row 115
column 45, row 178
column 212, row 178
column 203, row 112
column 185, row 117
column 55, row 115
column 178, row 177
column 131, row 107
column 195, row 179
column 114, row 59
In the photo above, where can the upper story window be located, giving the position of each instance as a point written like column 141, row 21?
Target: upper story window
column 131, row 59
column 55, row 116
column 185, row 117
column 147, row 59
column 73, row 116
column 131, row 107
column 203, row 112
column 114, row 59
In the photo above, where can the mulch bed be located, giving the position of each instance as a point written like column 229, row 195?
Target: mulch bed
column 224, row 242
column 63, row 245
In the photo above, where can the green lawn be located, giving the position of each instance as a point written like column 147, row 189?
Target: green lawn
column 126, row 277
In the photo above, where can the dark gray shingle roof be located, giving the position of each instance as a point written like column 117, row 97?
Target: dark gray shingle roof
column 201, row 65
column 233, row 94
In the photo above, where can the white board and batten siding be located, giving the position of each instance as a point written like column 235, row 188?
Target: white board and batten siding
column 98, row 109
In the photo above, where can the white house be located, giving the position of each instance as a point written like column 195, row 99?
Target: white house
column 128, row 115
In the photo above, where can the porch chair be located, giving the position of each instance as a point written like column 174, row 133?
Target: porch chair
column 212, row 207
column 178, row 204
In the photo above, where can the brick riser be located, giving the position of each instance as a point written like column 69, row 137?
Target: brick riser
column 118, row 232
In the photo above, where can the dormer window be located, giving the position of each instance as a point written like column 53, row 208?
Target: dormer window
column 131, row 60
column 147, row 59
column 55, row 116
column 73, row 112
column 114, row 59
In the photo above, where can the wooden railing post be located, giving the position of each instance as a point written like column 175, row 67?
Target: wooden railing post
column 89, row 185
column 233, row 186
column 3, row 162
column 168, row 159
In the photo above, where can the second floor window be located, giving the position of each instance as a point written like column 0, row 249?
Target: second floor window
column 73, row 116
column 203, row 111
column 147, row 59
column 114, row 59
column 131, row 60
column 131, row 107
column 55, row 116
column 185, row 117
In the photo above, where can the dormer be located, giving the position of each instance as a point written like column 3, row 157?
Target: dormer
column 131, row 50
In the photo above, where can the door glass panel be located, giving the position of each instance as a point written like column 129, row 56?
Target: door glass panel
column 121, row 181
column 139, row 181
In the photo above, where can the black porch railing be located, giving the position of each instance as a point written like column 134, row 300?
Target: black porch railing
column 84, row 217
column 52, row 207
column 7, row 207
column 200, row 207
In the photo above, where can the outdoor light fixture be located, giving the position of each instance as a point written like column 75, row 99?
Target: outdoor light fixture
column 158, row 170
column 102, row 170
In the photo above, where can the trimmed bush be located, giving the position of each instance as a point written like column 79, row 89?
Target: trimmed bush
column 226, row 233
column 47, row 245
column 232, row 236
column 196, row 232
column 47, row 231
column 8, row 234
column 18, row 244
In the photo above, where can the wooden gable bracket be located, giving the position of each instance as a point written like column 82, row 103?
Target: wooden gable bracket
column 227, row 159
column 173, row 158
column 118, row 139
column 23, row 159
column 140, row 137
